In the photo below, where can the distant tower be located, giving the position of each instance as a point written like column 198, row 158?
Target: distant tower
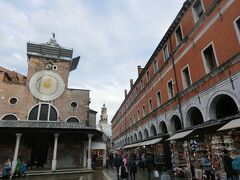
column 104, row 116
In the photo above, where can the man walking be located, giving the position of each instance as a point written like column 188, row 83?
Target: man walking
column 117, row 163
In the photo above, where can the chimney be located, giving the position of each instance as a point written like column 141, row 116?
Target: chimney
column 125, row 92
column 139, row 70
column 131, row 83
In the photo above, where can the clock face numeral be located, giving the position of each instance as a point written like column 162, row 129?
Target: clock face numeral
column 46, row 85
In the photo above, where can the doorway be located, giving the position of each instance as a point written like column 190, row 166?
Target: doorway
column 38, row 156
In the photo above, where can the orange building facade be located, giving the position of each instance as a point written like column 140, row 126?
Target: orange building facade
column 191, row 79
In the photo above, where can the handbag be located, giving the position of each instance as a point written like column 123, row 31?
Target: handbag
column 156, row 174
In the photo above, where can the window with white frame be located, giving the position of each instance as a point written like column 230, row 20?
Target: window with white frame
column 138, row 113
column 237, row 27
column 165, row 52
column 209, row 58
column 198, row 9
column 148, row 76
column 155, row 65
column 150, row 105
column 43, row 112
column 134, row 119
column 186, row 77
column 159, row 100
column 170, row 89
column 179, row 35
column 130, row 122
column 144, row 110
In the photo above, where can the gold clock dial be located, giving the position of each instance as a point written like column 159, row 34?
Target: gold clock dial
column 46, row 85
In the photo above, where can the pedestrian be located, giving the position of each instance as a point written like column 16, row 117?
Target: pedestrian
column 6, row 170
column 149, row 165
column 165, row 175
column 111, row 159
column 18, row 169
column 207, row 166
column 227, row 163
column 24, row 168
column 123, row 172
column 132, row 166
column 117, row 163
column 143, row 161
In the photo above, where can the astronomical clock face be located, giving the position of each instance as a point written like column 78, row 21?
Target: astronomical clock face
column 46, row 85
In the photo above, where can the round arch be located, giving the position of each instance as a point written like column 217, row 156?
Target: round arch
column 10, row 116
column 153, row 131
column 131, row 139
column 43, row 112
column 135, row 137
column 193, row 117
column 175, row 123
column 140, row 137
column 163, row 128
column 145, row 134
column 222, row 106
column 73, row 119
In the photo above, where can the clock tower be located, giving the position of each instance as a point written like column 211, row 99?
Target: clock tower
column 49, row 66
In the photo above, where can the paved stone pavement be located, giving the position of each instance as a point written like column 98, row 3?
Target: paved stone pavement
column 111, row 174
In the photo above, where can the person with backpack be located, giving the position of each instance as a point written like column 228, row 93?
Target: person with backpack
column 123, row 172
column 117, row 163
column 227, row 163
column 132, row 166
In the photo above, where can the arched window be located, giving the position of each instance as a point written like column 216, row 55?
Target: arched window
column 43, row 112
column 153, row 131
column 146, row 134
column 9, row 117
column 73, row 119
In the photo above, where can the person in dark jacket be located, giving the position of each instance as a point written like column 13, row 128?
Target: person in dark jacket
column 149, row 165
column 132, row 166
column 117, row 163
column 227, row 163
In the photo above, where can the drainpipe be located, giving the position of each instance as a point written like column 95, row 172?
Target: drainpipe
column 176, row 82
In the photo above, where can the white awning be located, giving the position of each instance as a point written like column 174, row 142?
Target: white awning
column 150, row 142
column 145, row 143
column 98, row 145
column 180, row 135
column 231, row 125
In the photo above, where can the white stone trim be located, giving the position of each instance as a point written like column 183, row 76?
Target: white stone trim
column 9, row 114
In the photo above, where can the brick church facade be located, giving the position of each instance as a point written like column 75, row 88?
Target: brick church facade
column 44, row 122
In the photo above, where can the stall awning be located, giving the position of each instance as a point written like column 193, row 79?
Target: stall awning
column 98, row 145
column 150, row 142
column 180, row 135
column 145, row 143
column 231, row 125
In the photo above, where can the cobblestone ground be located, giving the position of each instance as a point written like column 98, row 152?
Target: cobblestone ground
column 99, row 174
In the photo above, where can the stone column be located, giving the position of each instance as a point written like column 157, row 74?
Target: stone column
column 89, row 151
column 104, row 158
column 84, row 156
column 54, row 160
column 14, row 162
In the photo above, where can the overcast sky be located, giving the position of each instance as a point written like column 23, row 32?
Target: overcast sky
column 112, row 37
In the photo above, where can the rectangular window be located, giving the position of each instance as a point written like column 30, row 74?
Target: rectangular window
column 148, row 76
column 186, row 77
column 209, row 58
column 159, row 100
column 198, row 9
column 138, row 113
column 170, row 89
column 144, row 110
column 141, row 85
column 179, row 36
column 150, row 105
column 237, row 27
column 165, row 52
column 134, row 119
column 155, row 64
